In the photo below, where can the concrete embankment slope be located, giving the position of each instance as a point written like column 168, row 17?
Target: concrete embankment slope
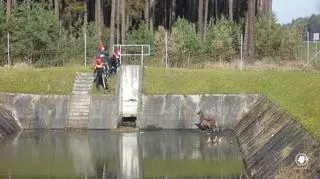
column 8, row 124
column 270, row 139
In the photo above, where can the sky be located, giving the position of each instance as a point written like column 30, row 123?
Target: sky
column 287, row 10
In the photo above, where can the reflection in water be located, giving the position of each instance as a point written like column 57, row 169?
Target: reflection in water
column 129, row 156
column 105, row 154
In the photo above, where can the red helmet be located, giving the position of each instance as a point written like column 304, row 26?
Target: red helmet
column 101, row 47
column 99, row 60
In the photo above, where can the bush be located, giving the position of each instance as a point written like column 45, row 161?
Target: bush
column 267, row 41
column 184, row 43
column 141, row 35
column 38, row 37
column 34, row 32
column 222, row 39
column 290, row 44
column 276, row 40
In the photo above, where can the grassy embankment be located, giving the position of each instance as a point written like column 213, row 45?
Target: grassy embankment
column 296, row 91
column 45, row 80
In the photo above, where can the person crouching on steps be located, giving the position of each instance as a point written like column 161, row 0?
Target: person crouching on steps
column 99, row 72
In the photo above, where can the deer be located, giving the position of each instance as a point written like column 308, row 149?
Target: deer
column 207, row 123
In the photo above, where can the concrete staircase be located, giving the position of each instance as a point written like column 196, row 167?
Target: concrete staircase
column 80, row 101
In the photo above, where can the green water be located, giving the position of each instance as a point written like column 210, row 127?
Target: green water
column 105, row 154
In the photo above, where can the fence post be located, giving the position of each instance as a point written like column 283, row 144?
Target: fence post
column 120, row 54
column 308, row 39
column 166, row 43
column 85, row 47
column 8, row 48
column 241, row 51
column 316, row 41
column 142, row 56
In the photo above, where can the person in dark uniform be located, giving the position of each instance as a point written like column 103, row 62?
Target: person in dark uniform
column 99, row 72
column 114, row 61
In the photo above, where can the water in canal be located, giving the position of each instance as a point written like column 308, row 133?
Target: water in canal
column 106, row 154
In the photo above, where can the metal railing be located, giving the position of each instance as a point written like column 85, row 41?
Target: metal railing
column 123, row 51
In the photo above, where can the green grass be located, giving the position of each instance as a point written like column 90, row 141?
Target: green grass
column 46, row 80
column 39, row 81
column 296, row 91
column 111, row 84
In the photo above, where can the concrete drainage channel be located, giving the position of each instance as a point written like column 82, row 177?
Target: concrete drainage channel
column 268, row 137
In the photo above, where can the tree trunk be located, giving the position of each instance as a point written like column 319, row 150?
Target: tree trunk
column 98, row 18
column 128, row 22
column 51, row 6
column 151, row 15
column 270, row 12
column 56, row 8
column 118, row 22
column 205, row 19
column 251, row 22
column 85, row 22
column 200, row 19
column 146, row 12
column 112, row 19
column 123, row 21
column 216, row 8
column 9, row 7
column 85, row 15
column 260, row 5
column 165, row 13
column 231, row 10
column 172, row 14
column 14, row 3
column 1, row 5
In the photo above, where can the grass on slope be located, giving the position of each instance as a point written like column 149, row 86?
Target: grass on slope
column 296, row 91
column 39, row 81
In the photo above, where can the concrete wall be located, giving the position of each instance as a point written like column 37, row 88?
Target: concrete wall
column 103, row 112
column 270, row 139
column 8, row 124
column 52, row 111
column 130, row 84
column 180, row 111
column 157, row 111
column 39, row 111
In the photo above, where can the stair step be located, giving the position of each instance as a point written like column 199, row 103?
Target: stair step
column 80, row 92
column 84, row 80
column 84, row 100
column 82, row 85
column 79, row 114
column 81, row 89
column 78, row 118
column 80, row 103
column 80, row 107
column 73, row 102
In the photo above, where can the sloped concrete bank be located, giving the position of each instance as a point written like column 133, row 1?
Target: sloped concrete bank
column 8, row 124
column 270, row 139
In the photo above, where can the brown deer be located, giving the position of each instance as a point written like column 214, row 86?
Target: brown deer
column 207, row 123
